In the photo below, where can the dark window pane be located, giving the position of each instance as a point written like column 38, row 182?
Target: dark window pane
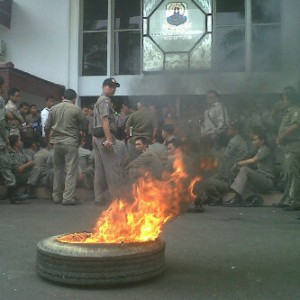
column 266, row 11
column 230, row 12
column 95, row 15
column 229, row 49
column 94, row 58
column 266, row 53
column 127, row 52
column 127, row 14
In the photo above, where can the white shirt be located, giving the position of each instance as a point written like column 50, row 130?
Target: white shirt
column 44, row 117
column 215, row 118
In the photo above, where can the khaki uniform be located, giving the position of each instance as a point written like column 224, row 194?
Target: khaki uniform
column 261, row 180
column 86, row 164
column 38, row 172
column 291, row 150
column 143, row 123
column 108, row 163
column 5, row 167
column 17, row 159
column 152, row 160
column 238, row 149
column 65, row 120
column 18, row 120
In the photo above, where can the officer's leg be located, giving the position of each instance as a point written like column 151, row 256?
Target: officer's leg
column 71, row 158
column 112, row 168
column 293, row 178
column 100, row 184
column 34, row 178
column 58, row 170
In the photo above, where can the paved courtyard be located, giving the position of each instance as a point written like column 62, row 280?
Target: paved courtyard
column 224, row 253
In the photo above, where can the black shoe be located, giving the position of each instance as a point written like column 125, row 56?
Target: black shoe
column 235, row 201
column 254, row 201
column 18, row 198
column 72, row 202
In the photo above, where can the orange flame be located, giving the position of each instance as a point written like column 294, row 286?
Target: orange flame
column 154, row 203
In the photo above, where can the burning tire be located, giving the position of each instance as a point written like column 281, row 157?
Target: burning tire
column 99, row 264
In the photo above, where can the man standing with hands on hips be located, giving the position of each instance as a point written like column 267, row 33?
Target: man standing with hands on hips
column 109, row 152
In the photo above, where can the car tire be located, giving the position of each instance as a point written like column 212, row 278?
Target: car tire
column 99, row 264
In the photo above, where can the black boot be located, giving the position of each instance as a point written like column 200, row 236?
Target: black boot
column 13, row 197
column 31, row 192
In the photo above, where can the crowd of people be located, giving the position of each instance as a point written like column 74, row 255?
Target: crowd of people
column 244, row 153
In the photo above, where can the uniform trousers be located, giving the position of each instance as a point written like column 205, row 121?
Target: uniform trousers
column 108, row 170
column 5, row 168
column 65, row 162
column 292, row 174
column 249, row 182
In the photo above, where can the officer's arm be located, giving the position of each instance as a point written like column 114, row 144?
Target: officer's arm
column 247, row 162
column 106, row 129
column 288, row 132
column 24, row 167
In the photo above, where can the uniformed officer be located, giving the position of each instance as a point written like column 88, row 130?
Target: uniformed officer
column 248, row 181
column 16, row 121
column 65, row 120
column 37, row 174
column 141, row 124
column 5, row 166
column 289, row 140
column 109, row 152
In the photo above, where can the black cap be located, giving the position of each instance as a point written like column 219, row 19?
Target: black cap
column 1, row 80
column 111, row 81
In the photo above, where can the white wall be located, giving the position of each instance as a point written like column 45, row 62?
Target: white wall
column 38, row 41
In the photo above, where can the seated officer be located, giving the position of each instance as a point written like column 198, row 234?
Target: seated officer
column 148, row 161
column 249, row 181
column 20, row 164
column 38, row 172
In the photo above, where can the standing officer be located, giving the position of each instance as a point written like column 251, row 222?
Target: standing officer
column 109, row 152
column 65, row 120
column 289, row 140
column 5, row 166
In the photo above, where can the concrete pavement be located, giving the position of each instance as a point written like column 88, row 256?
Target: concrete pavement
column 224, row 253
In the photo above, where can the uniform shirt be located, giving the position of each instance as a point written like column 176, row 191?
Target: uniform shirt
column 142, row 123
column 14, row 124
column 85, row 158
column 291, row 116
column 148, row 161
column 265, row 162
column 29, row 153
column 17, row 159
column 44, row 117
column 40, row 158
column 104, row 108
column 215, row 119
column 65, row 120
column 238, row 149
column 3, row 134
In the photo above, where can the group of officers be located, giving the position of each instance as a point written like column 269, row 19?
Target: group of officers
column 66, row 120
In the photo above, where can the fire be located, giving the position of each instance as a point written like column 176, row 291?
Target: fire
column 140, row 219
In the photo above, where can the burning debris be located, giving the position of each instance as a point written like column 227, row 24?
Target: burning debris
column 140, row 219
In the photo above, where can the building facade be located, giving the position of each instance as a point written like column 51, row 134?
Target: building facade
column 157, row 48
